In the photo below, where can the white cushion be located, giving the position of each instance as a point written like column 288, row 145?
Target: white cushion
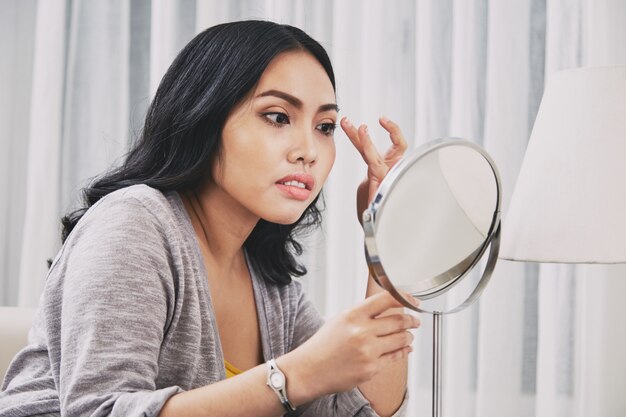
column 15, row 322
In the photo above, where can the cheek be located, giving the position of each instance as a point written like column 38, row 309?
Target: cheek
column 226, row 175
column 329, row 159
column 239, row 161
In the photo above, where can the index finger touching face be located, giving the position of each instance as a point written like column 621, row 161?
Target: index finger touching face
column 352, row 133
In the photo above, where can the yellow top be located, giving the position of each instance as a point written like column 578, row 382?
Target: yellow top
column 230, row 369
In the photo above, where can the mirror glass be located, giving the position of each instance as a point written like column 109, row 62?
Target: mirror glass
column 434, row 217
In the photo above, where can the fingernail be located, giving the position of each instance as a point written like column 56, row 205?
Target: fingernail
column 365, row 129
column 384, row 119
column 347, row 122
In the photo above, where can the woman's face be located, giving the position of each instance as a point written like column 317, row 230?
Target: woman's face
column 277, row 144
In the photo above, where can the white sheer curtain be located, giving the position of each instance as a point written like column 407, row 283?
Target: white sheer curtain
column 76, row 77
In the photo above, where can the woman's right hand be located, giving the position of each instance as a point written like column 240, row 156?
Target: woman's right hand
column 354, row 346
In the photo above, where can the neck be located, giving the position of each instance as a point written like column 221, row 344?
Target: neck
column 222, row 226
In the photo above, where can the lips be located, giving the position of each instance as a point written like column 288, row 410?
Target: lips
column 297, row 186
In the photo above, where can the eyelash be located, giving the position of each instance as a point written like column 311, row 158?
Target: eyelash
column 330, row 126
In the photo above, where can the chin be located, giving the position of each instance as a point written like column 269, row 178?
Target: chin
column 286, row 218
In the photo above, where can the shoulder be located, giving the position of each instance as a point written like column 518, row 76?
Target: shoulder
column 137, row 218
column 140, row 199
column 130, row 235
column 137, row 206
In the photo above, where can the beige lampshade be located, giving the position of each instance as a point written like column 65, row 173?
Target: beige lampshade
column 569, row 203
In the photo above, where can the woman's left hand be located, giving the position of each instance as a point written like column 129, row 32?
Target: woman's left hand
column 377, row 165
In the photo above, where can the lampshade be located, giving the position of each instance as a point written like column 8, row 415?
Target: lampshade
column 569, row 203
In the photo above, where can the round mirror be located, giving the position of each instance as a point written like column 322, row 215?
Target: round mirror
column 432, row 219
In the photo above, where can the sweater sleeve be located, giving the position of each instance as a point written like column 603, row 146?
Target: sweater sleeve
column 111, row 296
column 343, row 404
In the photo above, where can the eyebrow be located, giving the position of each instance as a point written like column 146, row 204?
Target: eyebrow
column 296, row 102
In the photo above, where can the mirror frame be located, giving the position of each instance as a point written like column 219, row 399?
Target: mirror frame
column 448, row 279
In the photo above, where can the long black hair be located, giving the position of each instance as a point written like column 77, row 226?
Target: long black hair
column 182, row 132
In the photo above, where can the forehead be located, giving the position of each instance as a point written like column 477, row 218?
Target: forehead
column 300, row 74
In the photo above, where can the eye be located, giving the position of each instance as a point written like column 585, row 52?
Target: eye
column 276, row 118
column 327, row 128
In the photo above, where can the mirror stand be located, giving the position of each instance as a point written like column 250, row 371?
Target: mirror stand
column 438, row 336
column 437, row 358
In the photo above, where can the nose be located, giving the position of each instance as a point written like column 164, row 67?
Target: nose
column 304, row 147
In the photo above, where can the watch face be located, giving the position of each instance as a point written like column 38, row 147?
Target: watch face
column 277, row 380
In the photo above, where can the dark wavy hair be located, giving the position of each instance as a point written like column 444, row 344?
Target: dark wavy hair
column 182, row 132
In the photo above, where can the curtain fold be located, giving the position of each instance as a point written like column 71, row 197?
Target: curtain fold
column 544, row 340
column 17, row 40
column 40, row 237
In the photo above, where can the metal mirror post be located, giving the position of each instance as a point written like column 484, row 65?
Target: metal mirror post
column 432, row 220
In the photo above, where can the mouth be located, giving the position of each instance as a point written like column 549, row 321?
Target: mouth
column 302, row 181
column 296, row 186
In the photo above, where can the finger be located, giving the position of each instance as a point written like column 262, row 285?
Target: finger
column 395, row 341
column 352, row 134
column 395, row 134
column 408, row 297
column 373, row 189
column 375, row 162
column 378, row 303
column 391, row 357
column 395, row 323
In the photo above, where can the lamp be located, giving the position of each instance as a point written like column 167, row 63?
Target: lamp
column 569, row 203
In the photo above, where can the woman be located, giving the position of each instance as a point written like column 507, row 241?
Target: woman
column 177, row 272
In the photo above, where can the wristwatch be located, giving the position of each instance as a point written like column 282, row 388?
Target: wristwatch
column 277, row 381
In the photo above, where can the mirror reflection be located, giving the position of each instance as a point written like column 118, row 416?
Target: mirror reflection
column 434, row 220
